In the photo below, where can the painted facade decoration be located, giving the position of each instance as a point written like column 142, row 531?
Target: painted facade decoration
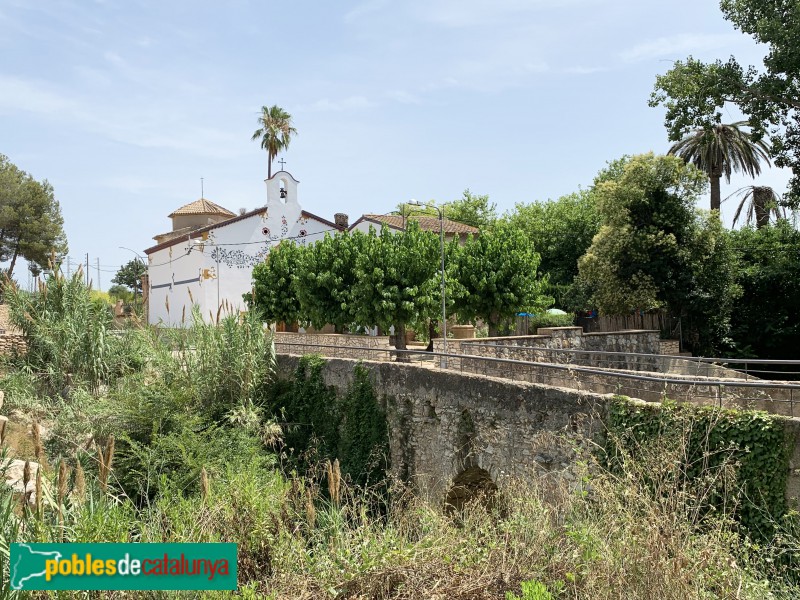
column 211, row 266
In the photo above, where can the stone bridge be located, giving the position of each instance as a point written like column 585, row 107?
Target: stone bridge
column 452, row 431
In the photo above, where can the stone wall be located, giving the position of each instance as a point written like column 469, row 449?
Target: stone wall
column 342, row 345
column 772, row 397
column 627, row 346
column 443, row 423
column 669, row 347
column 536, row 348
column 11, row 343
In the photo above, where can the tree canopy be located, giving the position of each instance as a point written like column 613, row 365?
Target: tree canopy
column 497, row 276
column 130, row 275
column 654, row 250
column 324, row 278
column 31, row 225
column 695, row 93
column 273, row 294
column 561, row 231
column 720, row 150
column 646, row 214
column 765, row 323
column 275, row 131
column 472, row 209
column 396, row 279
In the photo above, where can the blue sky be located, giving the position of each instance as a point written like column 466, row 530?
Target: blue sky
column 124, row 106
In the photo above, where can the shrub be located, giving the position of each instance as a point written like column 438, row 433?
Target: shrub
column 67, row 335
column 550, row 320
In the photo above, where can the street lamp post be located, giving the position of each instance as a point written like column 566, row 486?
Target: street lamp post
column 441, row 243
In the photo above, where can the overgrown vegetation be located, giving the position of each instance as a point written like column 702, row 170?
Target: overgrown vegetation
column 197, row 441
column 733, row 463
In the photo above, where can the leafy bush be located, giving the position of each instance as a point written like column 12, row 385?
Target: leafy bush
column 726, row 462
column 67, row 335
column 226, row 363
column 550, row 320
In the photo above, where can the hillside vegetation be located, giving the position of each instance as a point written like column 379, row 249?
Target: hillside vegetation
column 189, row 436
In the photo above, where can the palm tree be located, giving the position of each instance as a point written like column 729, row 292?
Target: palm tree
column 275, row 132
column 721, row 150
column 763, row 203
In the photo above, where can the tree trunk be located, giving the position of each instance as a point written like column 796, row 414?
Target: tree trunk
column 269, row 166
column 13, row 261
column 400, row 336
column 493, row 329
column 431, row 335
column 400, row 342
column 716, row 197
column 761, row 198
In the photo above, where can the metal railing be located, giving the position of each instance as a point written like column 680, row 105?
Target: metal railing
column 772, row 396
column 694, row 365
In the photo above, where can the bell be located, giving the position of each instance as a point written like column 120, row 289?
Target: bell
column 283, row 192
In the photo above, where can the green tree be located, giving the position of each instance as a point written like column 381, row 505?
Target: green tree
column 561, row 231
column 273, row 294
column 472, row 209
column 765, row 323
column 120, row 292
column 130, row 275
column 275, row 131
column 31, row 225
column 761, row 202
column 654, row 250
column 496, row 277
column 646, row 211
column 325, row 277
column 706, row 304
column 697, row 94
column 397, row 279
column 720, row 150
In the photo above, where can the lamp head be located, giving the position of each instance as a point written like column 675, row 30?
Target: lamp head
column 413, row 202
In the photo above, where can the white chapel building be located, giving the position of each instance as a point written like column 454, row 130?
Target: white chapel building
column 208, row 257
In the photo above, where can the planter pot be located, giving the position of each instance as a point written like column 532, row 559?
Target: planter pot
column 462, row 332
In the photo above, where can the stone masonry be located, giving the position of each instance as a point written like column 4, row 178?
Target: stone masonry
column 444, row 423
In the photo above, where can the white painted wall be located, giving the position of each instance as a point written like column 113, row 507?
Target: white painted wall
column 218, row 269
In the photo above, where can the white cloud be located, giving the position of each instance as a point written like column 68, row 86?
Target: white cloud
column 364, row 9
column 403, row 97
column 147, row 126
column 678, row 46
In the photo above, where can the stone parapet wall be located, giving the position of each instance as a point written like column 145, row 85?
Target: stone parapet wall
column 442, row 422
column 11, row 343
column 341, row 345
column 723, row 393
column 669, row 347
column 638, row 341
column 537, row 348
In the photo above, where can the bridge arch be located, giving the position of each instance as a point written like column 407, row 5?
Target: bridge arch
column 473, row 484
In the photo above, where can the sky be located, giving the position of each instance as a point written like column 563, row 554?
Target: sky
column 124, row 105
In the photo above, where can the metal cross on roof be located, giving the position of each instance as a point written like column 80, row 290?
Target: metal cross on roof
column 283, row 162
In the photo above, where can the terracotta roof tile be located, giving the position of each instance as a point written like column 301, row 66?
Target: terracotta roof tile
column 202, row 207
column 425, row 223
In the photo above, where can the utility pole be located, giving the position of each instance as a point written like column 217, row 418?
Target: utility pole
column 98, row 274
column 68, row 267
column 87, row 269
